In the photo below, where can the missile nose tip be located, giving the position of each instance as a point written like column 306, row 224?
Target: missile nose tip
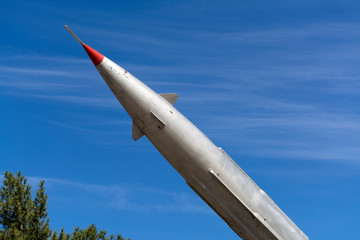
column 94, row 55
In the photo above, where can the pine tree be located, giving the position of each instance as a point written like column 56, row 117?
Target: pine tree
column 22, row 217
column 25, row 218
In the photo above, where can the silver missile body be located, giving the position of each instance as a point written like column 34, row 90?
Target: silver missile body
column 207, row 169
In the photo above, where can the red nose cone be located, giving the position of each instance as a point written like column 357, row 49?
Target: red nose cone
column 95, row 56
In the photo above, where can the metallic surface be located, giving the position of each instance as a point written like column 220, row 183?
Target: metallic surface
column 207, row 169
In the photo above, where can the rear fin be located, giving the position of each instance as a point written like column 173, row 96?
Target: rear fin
column 136, row 131
column 170, row 97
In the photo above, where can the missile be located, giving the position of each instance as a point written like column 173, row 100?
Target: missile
column 206, row 168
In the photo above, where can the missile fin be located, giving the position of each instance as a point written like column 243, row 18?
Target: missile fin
column 136, row 131
column 170, row 97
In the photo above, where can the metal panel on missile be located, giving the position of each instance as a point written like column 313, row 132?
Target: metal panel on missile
column 232, row 210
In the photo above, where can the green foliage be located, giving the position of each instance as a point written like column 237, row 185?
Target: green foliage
column 21, row 216
column 91, row 233
column 25, row 218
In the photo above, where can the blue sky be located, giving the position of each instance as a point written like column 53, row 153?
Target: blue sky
column 274, row 83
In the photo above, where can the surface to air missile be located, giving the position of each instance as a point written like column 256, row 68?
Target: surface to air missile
column 207, row 169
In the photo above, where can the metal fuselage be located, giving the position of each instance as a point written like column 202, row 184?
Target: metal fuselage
column 207, row 169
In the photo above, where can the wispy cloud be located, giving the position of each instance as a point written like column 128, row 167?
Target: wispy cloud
column 92, row 101
column 289, row 35
column 120, row 197
column 293, row 174
column 47, row 59
column 82, row 129
column 315, row 121
column 36, row 85
column 303, row 134
column 289, row 90
column 33, row 71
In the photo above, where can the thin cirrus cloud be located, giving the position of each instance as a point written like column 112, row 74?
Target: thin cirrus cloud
column 336, row 30
column 91, row 101
column 37, row 72
column 54, row 59
column 119, row 197
column 239, row 88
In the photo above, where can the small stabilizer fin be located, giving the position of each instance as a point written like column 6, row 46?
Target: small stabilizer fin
column 136, row 131
column 170, row 97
